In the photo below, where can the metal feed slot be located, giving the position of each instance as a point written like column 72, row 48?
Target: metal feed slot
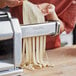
column 48, row 28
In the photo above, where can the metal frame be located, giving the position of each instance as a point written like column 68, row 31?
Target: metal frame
column 10, row 28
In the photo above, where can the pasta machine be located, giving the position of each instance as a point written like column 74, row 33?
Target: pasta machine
column 11, row 29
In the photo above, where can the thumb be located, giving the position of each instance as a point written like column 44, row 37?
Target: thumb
column 51, row 8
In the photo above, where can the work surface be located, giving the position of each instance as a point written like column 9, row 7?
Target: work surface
column 64, row 61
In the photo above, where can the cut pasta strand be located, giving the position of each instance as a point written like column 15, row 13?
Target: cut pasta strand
column 44, row 44
column 34, row 55
column 27, row 52
column 30, row 50
column 42, row 50
column 37, row 50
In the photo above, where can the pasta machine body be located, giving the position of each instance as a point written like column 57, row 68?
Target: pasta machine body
column 11, row 29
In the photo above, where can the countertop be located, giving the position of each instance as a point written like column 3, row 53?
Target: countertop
column 64, row 61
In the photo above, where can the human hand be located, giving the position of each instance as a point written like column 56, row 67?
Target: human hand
column 2, row 4
column 46, row 8
column 13, row 3
column 49, row 12
column 10, row 3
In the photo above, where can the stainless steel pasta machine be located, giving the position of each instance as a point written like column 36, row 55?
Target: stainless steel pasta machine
column 11, row 29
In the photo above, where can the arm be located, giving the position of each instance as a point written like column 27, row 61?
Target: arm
column 2, row 4
column 10, row 3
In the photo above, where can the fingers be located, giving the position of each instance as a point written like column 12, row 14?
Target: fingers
column 51, row 8
column 46, row 8
column 20, row 2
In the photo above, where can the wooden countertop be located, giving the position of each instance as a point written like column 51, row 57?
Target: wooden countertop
column 64, row 61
